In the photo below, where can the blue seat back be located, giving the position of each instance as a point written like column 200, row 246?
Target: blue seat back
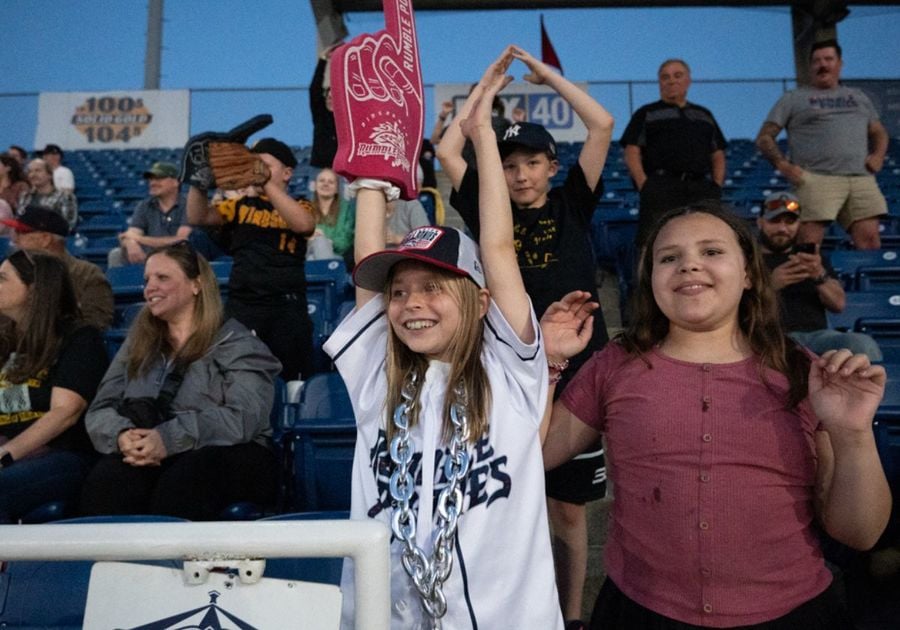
column 861, row 305
column 323, row 440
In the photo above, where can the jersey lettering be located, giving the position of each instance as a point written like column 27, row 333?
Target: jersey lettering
column 487, row 480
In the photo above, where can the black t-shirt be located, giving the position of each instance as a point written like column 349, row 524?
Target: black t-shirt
column 268, row 256
column 80, row 366
column 801, row 308
column 675, row 139
column 552, row 243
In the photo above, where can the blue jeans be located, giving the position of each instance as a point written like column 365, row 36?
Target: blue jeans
column 56, row 475
column 820, row 341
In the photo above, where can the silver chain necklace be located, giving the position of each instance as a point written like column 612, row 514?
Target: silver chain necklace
column 428, row 573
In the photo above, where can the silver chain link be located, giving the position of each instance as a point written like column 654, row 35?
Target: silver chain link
column 428, row 573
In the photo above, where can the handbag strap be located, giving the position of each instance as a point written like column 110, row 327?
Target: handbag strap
column 169, row 388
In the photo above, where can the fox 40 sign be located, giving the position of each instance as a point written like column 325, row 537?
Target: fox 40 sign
column 537, row 103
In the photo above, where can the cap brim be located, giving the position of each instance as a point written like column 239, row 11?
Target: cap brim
column 18, row 226
column 372, row 272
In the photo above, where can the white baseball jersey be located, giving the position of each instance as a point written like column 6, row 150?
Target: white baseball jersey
column 502, row 564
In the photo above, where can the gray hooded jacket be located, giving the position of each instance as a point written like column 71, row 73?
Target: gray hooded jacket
column 225, row 398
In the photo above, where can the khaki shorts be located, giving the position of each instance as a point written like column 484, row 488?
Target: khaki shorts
column 847, row 198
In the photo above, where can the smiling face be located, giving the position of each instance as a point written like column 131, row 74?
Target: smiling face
column 326, row 184
column 13, row 293
column 162, row 186
column 699, row 273
column 422, row 310
column 169, row 293
column 825, row 66
column 528, row 176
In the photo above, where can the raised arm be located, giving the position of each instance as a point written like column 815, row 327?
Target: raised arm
column 498, row 253
column 598, row 121
column 449, row 151
column 199, row 211
column 853, row 499
column 368, row 237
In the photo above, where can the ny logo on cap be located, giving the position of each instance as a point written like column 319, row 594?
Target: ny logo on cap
column 512, row 131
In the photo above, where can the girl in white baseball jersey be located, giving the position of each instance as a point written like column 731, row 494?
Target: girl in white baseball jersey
column 445, row 364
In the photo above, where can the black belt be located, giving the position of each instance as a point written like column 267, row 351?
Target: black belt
column 685, row 176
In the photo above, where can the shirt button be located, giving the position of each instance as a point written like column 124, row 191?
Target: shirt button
column 707, row 608
column 706, row 367
column 705, row 572
column 704, row 477
column 704, row 525
column 707, row 437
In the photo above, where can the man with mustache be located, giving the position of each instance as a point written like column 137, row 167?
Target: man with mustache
column 837, row 145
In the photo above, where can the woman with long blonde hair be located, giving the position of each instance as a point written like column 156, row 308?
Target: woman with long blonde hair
column 182, row 415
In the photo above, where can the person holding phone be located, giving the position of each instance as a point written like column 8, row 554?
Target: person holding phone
column 805, row 281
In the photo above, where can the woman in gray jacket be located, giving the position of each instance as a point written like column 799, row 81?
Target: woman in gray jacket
column 182, row 414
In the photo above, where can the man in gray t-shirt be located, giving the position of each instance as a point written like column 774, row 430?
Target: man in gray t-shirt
column 837, row 144
column 158, row 220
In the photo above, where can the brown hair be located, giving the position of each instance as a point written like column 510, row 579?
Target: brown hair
column 759, row 318
column 51, row 312
column 15, row 169
column 331, row 217
column 149, row 336
column 465, row 361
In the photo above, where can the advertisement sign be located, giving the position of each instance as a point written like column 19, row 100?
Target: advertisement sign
column 538, row 103
column 138, row 119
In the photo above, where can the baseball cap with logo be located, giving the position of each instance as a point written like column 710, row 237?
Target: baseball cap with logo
column 277, row 149
column 444, row 247
column 529, row 135
column 161, row 169
column 37, row 219
column 778, row 203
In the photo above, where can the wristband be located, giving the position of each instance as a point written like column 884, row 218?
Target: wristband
column 390, row 191
column 820, row 280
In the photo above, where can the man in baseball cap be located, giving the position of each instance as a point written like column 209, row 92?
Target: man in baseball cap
column 63, row 178
column 39, row 229
column 157, row 220
column 805, row 281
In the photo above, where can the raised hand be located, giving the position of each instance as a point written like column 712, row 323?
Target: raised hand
column 376, row 86
column 845, row 390
column 493, row 81
column 538, row 70
column 567, row 325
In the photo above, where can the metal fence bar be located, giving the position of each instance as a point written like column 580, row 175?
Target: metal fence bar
column 366, row 542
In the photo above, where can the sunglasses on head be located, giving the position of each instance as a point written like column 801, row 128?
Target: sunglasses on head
column 785, row 202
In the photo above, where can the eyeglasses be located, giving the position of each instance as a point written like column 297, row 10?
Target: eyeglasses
column 783, row 201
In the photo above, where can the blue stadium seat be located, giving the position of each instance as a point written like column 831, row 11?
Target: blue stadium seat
column 323, row 436
column 51, row 594
column 127, row 283
column 861, row 305
column 329, row 280
column 847, row 262
column 109, row 224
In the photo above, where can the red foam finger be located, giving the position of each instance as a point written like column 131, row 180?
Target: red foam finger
column 379, row 112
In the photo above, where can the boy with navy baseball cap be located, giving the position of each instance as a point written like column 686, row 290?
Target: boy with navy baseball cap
column 552, row 229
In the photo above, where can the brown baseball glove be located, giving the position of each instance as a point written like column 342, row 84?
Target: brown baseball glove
column 234, row 166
